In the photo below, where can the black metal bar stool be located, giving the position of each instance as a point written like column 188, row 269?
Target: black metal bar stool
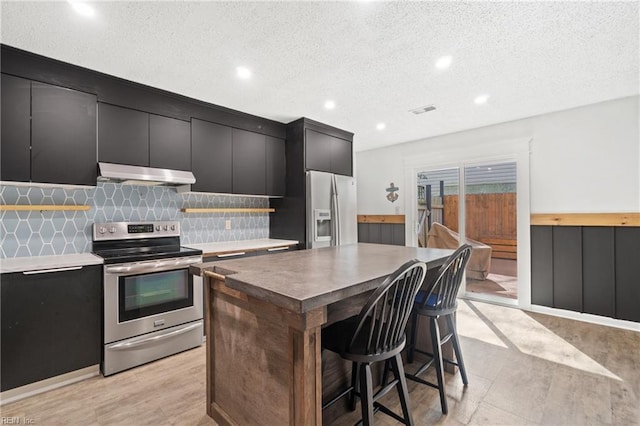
column 378, row 334
column 439, row 300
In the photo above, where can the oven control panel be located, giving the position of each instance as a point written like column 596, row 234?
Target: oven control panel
column 134, row 230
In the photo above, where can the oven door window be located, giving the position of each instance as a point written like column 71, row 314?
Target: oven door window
column 154, row 293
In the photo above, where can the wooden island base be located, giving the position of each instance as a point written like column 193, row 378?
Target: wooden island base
column 263, row 324
column 263, row 351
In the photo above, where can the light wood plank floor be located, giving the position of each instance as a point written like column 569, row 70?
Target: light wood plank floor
column 523, row 368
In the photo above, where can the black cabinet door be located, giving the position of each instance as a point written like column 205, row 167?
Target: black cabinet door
column 249, row 163
column 63, row 135
column 211, row 157
column 123, row 135
column 275, row 166
column 341, row 156
column 50, row 324
column 169, row 143
column 16, row 129
column 317, row 151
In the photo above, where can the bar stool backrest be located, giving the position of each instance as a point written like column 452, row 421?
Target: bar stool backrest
column 442, row 294
column 383, row 319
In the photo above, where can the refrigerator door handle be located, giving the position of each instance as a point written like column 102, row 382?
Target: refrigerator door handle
column 336, row 207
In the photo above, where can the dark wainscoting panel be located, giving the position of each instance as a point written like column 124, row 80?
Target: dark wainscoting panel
column 589, row 269
column 567, row 268
column 627, row 260
column 542, row 265
column 598, row 270
column 381, row 233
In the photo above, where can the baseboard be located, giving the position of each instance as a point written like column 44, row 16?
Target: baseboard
column 45, row 385
column 593, row 319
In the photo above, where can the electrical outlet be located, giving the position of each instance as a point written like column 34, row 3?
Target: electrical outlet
column 227, row 224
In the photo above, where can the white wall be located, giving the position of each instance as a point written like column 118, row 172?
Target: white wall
column 583, row 160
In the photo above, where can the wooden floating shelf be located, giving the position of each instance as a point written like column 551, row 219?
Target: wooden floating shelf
column 380, row 218
column 43, row 208
column 227, row 210
column 586, row 219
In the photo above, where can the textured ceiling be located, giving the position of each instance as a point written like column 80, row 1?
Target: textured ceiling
column 374, row 59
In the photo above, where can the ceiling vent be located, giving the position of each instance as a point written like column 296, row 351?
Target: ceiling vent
column 423, row 109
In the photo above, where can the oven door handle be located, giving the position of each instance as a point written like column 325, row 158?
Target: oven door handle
column 151, row 340
column 155, row 266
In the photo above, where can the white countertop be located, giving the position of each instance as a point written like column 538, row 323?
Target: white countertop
column 22, row 264
column 230, row 246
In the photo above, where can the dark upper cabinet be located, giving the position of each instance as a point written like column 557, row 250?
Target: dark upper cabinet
column 63, row 135
column 16, row 129
column 328, row 153
column 51, row 324
column 341, row 156
column 318, row 151
column 249, row 163
column 169, row 143
column 123, row 135
column 275, row 151
column 211, row 157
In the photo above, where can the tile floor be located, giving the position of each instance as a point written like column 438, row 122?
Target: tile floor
column 523, row 368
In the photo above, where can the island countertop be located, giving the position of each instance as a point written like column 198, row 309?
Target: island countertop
column 304, row 280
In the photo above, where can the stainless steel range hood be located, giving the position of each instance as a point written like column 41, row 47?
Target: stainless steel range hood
column 138, row 175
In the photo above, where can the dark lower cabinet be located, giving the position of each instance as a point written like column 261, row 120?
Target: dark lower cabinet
column 123, row 135
column 63, row 135
column 169, row 143
column 51, row 324
column 211, row 157
column 249, row 163
column 15, row 150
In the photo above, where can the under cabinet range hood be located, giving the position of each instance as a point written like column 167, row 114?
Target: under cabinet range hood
column 139, row 175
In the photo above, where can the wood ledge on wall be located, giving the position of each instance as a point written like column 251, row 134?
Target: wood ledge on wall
column 380, row 218
column 227, row 210
column 586, row 219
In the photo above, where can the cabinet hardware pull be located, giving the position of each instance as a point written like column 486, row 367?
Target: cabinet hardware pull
column 46, row 271
column 239, row 253
column 278, row 248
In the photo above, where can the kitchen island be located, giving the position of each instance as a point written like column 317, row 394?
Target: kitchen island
column 263, row 324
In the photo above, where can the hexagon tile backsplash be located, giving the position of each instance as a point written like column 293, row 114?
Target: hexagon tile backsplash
column 40, row 233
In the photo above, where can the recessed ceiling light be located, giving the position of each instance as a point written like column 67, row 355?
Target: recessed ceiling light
column 243, row 73
column 481, row 100
column 444, row 62
column 381, row 126
column 329, row 104
column 82, row 8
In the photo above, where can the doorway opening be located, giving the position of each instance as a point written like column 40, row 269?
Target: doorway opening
column 483, row 213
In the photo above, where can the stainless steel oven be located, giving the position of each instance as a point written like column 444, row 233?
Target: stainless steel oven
column 152, row 304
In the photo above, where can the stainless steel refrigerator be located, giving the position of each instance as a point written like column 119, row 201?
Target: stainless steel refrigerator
column 331, row 210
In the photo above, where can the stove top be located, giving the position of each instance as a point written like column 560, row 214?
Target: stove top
column 123, row 242
column 140, row 254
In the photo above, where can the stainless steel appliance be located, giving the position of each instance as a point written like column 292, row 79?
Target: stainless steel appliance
column 152, row 304
column 331, row 210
